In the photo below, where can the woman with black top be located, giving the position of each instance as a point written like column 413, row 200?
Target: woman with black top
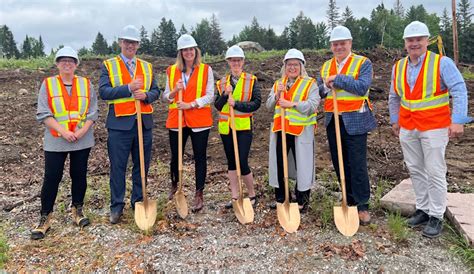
column 241, row 91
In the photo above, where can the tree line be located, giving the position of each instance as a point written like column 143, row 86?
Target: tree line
column 384, row 28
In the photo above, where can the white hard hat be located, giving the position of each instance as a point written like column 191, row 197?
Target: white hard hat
column 130, row 32
column 294, row 54
column 416, row 29
column 186, row 41
column 340, row 33
column 234, row 51
column 66, row 52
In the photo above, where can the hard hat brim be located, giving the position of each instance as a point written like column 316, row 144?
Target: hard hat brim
column 129, row 38
column 339, row 39
column 416, row 35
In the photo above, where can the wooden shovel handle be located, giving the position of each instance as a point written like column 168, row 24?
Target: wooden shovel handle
column 140, row 149
column 339, row 149
column 284, row 151
column 236, row 149
column 180, row 142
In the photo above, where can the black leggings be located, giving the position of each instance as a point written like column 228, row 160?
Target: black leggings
column 199, row 141
column 244, row 140
column 53, row 173
column 302, row 197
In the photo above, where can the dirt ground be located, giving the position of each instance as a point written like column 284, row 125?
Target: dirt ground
column 21, row 171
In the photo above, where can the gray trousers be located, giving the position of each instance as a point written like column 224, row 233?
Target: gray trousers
column 423, row 153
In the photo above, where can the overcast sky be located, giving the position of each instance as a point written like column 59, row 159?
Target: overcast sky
column 76, row 22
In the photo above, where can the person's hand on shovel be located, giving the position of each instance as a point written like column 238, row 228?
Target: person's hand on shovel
column 136, row 88
column 228, row 91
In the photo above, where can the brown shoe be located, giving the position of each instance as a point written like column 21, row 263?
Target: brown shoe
column 364, row 217
column 44, row 224
column 198, row 201
column 78, row 217
column 173, row 189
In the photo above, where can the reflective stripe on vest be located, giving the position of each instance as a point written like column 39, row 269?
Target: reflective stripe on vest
column 199, row 87
column 70, row 111
column 425, row 106
column 195, row 88
column 243, row 93
column 119, row 75
column 296, row 120
column 346, row 101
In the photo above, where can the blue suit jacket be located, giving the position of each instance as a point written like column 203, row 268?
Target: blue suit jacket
column 107, row 92
column 355, row 122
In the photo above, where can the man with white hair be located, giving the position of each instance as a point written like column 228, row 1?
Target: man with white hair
column 421, row 117
column 350, row 75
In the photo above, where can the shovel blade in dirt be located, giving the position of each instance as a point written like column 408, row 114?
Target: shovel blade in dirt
column 181, row 204
column 346, row 219
column 243, row 210
column 289, row 216
column 145, row 214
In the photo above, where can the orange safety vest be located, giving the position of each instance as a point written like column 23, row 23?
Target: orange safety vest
column 119, row 75
column 70, row 111
column 294, row 120
column 195, row 88
column 346, row 101
column 243, row 93
column 425, row 106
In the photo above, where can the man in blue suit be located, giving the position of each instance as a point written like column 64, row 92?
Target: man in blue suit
column 350, row 75
column 124, row 79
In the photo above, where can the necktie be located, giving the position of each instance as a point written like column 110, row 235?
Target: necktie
column 131, row 67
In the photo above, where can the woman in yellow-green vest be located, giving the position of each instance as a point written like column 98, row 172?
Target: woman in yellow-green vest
column 67, row 106
column 298, row 95
column 241, row 91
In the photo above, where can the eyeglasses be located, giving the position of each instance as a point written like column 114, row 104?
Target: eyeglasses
column 293, row 65
column 67, row 61
column 130, row 42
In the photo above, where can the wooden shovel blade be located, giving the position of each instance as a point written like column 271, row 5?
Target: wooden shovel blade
column 243, row 210
column 289, row 216
column 145, row 214
column 346, row 220
column 181, row 204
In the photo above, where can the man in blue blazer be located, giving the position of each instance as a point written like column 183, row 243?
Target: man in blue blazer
column 124, row 79
column 350, row 75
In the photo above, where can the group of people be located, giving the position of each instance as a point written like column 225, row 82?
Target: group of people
column 420, row 114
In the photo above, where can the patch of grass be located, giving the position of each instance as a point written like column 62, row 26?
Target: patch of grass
column 380, row 190
column 459, row 246
column 29, row 64
column 3, row 249
column 161, row 207
column 321, row 205
column 467, row 74
column 397, row 227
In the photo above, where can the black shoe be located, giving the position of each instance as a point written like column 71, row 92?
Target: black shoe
column 229, row 204
column 419, row 218
column 115, row 217
column 253, row 201
column 433, row 228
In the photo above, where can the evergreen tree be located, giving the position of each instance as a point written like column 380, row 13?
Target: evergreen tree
column 332, row 14
column 115, row 48
column 320, row 36
column 163, row 40
column 38, row 48
column 347, row 16
column 446, row 32
column 100, row 47
column 398, row 9
column 183, row 30
column 82, row 51
column 202, row 34
column 26, row 49
column 216, row 44
column 7, row 43
column 145, row 44
column 302, row 32
column 464, row 14
column 270, row 40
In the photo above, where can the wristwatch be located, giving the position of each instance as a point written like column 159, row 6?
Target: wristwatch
column 193, row 104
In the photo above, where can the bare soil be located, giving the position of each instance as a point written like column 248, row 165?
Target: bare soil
column 213, row 239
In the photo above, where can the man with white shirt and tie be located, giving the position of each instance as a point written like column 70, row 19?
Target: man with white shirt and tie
column 124, row 79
